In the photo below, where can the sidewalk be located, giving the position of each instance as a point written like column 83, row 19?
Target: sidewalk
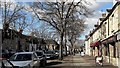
column 91, row 60
column 77, row 62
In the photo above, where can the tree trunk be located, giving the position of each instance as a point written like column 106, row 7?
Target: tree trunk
column 72, row 48
column 65, row 45
column 61, row 47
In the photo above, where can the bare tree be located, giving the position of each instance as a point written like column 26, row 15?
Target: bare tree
column 59, row 14
column 15, row 17
column 43, row 31
column 10, row 12
column 74, row 32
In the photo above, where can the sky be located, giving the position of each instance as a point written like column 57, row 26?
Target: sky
column 99, row 6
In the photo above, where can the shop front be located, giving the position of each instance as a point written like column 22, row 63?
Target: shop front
column 95, row 48
column 118, row 47
column 110, row 49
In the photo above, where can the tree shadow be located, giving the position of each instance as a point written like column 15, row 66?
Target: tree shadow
column 53, row 63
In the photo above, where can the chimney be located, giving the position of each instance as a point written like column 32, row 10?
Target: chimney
column 108, row 10
column 96, row 25
column 101, row 19
column 21, row 30
column 6, row 26
column 103, row 15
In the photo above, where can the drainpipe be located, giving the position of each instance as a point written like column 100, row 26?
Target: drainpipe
column 108, row 44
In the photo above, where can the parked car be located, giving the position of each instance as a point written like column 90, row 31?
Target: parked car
column 5, row 54
column 24, row 60
column 11, row 52
column 50, row 54
column 56, row 53
column 42, row 57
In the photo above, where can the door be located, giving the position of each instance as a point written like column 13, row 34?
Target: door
column 119, row 55
column 119, row 60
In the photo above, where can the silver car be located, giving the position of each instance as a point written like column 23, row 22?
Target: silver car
column 24, row 60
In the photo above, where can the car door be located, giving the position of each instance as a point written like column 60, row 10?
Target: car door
column 36, row 62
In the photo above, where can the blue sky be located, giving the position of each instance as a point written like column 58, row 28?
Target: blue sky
column 99, row 7
column 104, row 5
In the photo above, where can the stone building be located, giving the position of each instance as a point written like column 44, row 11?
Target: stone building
column 107, row 35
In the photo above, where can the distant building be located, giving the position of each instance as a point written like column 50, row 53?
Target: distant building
column 51, row 44
column 15, row 40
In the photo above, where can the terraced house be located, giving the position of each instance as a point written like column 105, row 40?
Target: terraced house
column 105, row 38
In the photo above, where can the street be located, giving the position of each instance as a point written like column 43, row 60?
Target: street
column 76, row 62
column 35, row 33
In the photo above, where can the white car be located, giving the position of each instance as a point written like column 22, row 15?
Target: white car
column 24, row 60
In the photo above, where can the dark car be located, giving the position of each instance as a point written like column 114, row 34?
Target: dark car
column 50, row 54
column 42, row 57
column 5, row 54
column 56, row 53
column 11, row 52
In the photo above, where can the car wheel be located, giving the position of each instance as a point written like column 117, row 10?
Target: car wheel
column 43, row 63
column 33, row 67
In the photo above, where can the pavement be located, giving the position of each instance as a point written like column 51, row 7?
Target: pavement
column 76, row 61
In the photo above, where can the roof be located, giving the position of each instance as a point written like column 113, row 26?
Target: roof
column 104, row 19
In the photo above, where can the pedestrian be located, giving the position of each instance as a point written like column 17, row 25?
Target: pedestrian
column 99, row 59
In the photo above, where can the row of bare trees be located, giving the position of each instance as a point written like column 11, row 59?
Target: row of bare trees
column 13, row 16
column 67, row 18
column 62, row 21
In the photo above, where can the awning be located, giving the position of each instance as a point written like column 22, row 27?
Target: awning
column 112, row 39
column 97, row 43
column 105, row 42
column 109, row 40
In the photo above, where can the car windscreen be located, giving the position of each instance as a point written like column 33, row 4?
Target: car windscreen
column 21, row 57
column 39, row 53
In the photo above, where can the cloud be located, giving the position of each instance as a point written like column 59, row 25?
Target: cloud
column 99, row 7
column 54, row 0
column 91, row 21
column 13, row 1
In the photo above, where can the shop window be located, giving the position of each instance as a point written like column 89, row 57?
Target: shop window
column 93, row 48
column 119, row 25
column 113, row 15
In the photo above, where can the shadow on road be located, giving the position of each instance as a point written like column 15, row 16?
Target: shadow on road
column 53, row 63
